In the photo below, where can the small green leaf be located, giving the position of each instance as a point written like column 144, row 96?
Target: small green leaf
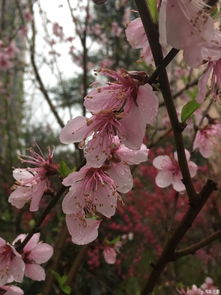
column 152, row 5
column 189, row 109
column 113, row 242
column 64, row 170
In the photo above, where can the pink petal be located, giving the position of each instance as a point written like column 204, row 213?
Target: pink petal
column 20, row 196
column 178, row 184
column 97, row 150
column 132, row 129
column 121, row 175
column 17, row 269
column 74, row 177
column 101, row 98
column 74, row 200
column 162, row 162
column 41, row 253
column 75, row 131
column 132, row 157
column 135, row 34
column 164, row 179
column 37, row 193
column 147, row 103
column 12, row 290
column 202, row 85
column 106, row 200
column 35, row 272
column 21, row 175
column 110, row 255
column 83, row 231
column 193, row 168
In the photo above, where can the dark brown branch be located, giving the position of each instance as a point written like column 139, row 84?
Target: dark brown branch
column 195, row 247
column 153, row 37
column 48, row 209
column 167, row 59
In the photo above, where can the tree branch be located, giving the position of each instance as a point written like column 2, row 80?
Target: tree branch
column 195, row 247
column 153, row 37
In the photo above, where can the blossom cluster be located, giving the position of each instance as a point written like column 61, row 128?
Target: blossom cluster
column 7, row 54
column 14, row 265
column 112, row 140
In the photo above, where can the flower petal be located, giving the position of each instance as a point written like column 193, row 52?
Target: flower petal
column 35, row 272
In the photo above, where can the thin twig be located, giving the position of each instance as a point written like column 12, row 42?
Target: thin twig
column 195, row 247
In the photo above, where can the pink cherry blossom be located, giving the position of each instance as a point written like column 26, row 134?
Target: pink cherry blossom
column 206, row 139
column 125, row 92
column 93, row 190
column 137, row 38
column 196, row 29
column 193, row 291
column 103, row 126
column 11, row 264
column 11, row 290
column 32, row 182
column 110, row 255
column 34, row 254
column 169, row 171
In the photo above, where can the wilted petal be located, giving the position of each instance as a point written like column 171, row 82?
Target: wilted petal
column 35, row 272
column 83, row 231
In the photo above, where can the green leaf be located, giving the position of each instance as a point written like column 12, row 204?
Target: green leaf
column 189, row 109
column 113, row 242
column 64, row 170
column 61, row 280
column 152, row 5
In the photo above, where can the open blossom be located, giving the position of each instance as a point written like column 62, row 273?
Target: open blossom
column 32, row 182
column 196, row 31
column 126, row 93
column 93, row 191
column 169, row 171
column 206, row 139
column 34, row 254
column 11, row 290
column 103, row 127
column 121, row 108
column 193, row 291
column 137, row 38
column 11, row 264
